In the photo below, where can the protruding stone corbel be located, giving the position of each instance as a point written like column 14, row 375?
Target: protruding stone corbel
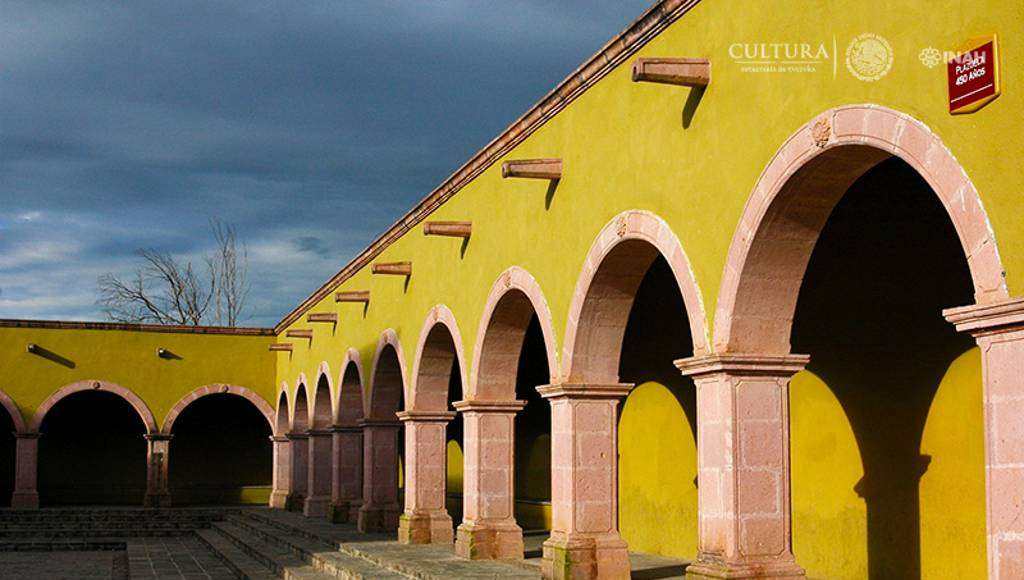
column 449, row 229
column 533, row 169
column 300, row 333
column 362, row 296
column 393, row 268
column 687, row 72
column 281, row 347
column 328, row 317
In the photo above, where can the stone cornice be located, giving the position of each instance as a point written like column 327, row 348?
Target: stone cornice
column 987, row 318
column 75, row 325
column 613, row 54
column 743, row 364
column 585, row 390
column 425, row 416
column 489, row 406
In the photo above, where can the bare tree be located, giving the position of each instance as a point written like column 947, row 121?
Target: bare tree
column 164, row 290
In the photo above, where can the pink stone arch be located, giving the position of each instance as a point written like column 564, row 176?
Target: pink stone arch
column 439, row 341
column 322, row 412
column 300, row 405
column 12, row 409
column 92, row 385
column 215, row 389
column 513, row 299
column 283, row 419
column 793, row 198
column 607, row 286
column 387, row 384
column 349, row 409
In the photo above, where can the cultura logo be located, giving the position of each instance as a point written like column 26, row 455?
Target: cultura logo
column 869, row 57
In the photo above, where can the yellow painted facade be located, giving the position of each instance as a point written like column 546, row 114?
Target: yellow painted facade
column 694, row 163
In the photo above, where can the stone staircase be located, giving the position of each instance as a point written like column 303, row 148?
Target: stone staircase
column 262, row 543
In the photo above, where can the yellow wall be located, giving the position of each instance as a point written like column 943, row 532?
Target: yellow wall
column 642, row 146
column 657, row 474
column 129, row 359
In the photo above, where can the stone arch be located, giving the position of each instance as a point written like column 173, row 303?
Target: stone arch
column 12, row 409
column 264, row 408
column 792, row 201
column 300, row 410
column 387, row 381
column 440, row 341
column 514, row 298
column 349, row 409
column 92, row 385
column 283, row 419
column 321, row 414
column 605, row 290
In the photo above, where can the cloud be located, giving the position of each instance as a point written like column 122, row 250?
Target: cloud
column 132, row 125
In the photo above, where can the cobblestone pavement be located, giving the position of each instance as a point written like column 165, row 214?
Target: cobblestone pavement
column 74, row 565
column 179, row 558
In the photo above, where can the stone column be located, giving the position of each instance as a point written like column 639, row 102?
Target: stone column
column 158, row 450
column 282, row 472
column 379, row 512
column 489, row 529
column 26, row 461
column 318, row 485
column 999, row 330
column 297, row 475
column 585, row 540
column 425, row 519
column 347, row 472
column 743, row 498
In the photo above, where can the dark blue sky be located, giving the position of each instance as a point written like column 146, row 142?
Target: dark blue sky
column 310, row 125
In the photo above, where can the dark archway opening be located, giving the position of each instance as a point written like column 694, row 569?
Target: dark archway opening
column 92, row 451
column 221, row 453
column 533, row 434
column 455, row 444
column 869, row 314
column 657, row 422
column 8, row 452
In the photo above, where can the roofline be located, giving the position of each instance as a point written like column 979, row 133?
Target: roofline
column 611, row 55
column 178, row 329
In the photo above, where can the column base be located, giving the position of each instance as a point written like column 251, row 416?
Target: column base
column 25, row 500
column 479, row 541
column 316, row 506
column 702, row 569
column 294, row 502
column 339, row 512
column 425, row 528
column 579, row 557
column 378, row 519
column 279, row 499
column 157, row 500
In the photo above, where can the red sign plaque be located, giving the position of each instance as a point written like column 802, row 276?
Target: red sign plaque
column 973, row 75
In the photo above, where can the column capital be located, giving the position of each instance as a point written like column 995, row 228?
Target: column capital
column 585, row 390
column 379, row 423
column 296, row 435
column 158, row 436
column 27, row 435
column 426, row 416
column 319, row 432
column 476, row 406
column 988, row 319
column 743, row 364
column 346, row 429
column 278, row 438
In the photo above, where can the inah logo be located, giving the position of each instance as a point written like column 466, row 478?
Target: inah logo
column 930, row 57
column 869, row 57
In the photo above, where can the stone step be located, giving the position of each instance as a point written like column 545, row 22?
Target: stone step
column 96, row 532
column 278, row 559
column 435, row 562
column 322, row 555
column 243, row 565
column 33, row 544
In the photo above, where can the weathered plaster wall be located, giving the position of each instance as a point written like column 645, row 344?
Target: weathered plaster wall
column 129, row 359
